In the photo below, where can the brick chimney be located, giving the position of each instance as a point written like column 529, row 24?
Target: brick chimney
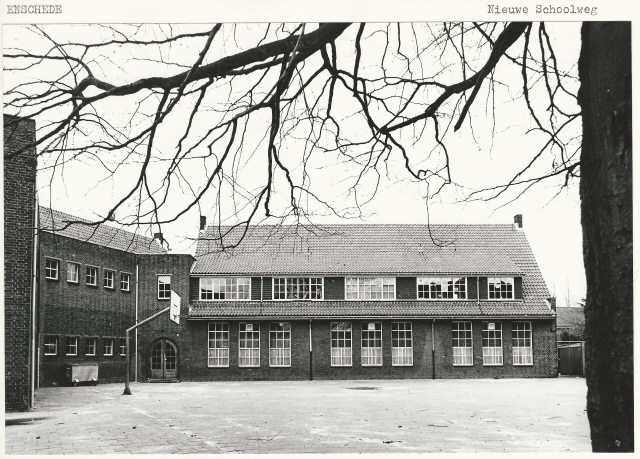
column 517, row 221
column 203, row 222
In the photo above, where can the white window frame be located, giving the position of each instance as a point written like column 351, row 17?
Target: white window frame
column 250, row 353
column 70, row 270
column 280, row 355
column 95, row 275
column 51, row 268
column 401, row 356
column 288, row 280
column 507, row 280
column 229, row 291
column 126, row 276
column 105, row 346
column 373, row 356
column 491, row 355
column 166, row 292
column 50, row 344
column 443, row 282
column 341, row 356
column 362, row 283
column 87, row 343
column 218, row 356
column 462, row 355
column 109, row 281
column 521, row 331
column 122, row 346
column 68, row 345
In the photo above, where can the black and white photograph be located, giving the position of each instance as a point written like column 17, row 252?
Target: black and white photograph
column 273, row 230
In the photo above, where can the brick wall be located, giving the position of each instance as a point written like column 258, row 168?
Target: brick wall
column 19, row 221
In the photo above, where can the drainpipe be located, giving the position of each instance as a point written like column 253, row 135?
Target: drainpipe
column 261, row 287
column 310, row 353
column 135, row 359
column 34, row 302
column 433, row 350
column 478, row 288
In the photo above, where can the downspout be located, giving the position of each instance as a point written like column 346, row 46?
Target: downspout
column 135, row 359
column 433, row 350
column 34, row 303
column 478, row 288
column 310, row 353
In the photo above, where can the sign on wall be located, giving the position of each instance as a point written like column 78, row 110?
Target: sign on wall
column 174, row 312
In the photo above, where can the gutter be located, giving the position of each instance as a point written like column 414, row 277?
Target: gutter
column 383, row 317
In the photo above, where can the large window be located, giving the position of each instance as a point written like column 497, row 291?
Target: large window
column 222, row 288
column 109, row 278
column 92, row 276
column 218, row 344
column 71, row 345
column 501, row 288
column 492, row 343
column 164, row 287
column 90, row 346
column 521, row 342
column 297, row 288
column 370, row 288
column 249, row 345
column 280, row 344
column 341, row 344
column 462, row 343
column 50, row 345
column 371, row 344
column 442, row 288
column 51, row 268
column 401, row 344
column 73, row 272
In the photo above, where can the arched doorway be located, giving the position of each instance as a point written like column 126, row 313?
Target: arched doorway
column 164, row 360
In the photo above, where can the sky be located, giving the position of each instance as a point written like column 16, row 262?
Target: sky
column 551, row 220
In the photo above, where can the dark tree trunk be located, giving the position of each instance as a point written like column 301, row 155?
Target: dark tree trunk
column 606, row 193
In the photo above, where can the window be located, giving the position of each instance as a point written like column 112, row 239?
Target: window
column 109, row 278
column 370, row 288
column 73, row 272
column 492, row 343
column 50, row 345
column 297, row 288
column 92, row 276
column 280, row 344
column 521, row 342
column 341, row 344
column 51, row 268
column 249, row 345
column 220, row 288
column 401, row 344
column 90, row 346
column 125, row 281
column 71, row 345
column 164, row 287
column 107, row 347
column 123, row 346
column 371, row 344
column 218, row 344
column 462, row 344
column 501, row 288
column 442, row 288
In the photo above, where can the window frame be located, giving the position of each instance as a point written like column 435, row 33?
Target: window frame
column 209, row 348
column 213, row 280
column 122, row 276
column 430, row 297
column 164, row 290
column 525, row 338
column 286, row 290
column 501, row 347
column 512, row 282
column 105, row 278
column 48, row 269
column 368, row 340
column 96, row 275
column 465, row 338
column 252, row 349
column 338, row 340
column 77, row 266
column 56, row 341
column 106, row 340
column 396, row 358
column 87, row 341
column 358, row 278
column 286, row 337
column 122, row 343
column 67, row 345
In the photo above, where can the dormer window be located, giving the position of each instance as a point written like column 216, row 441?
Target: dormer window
column 225, row 288
column 370, row 288
column 442, row 288
column 500, row 288
column 297, row 288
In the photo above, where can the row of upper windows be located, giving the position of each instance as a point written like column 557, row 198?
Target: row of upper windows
column 91, row 274
column 371, row 344
column 91, row 346
column 356, row 288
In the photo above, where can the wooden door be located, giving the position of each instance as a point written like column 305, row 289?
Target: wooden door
column 164, row 362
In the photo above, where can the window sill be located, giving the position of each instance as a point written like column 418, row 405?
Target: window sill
column 523, row 364
column 468, row 365
column 217, row 366
column 248, row 366
column 402, row 364
column 279, row 366
column 371, row 365
column 51, row 278
column 493, row 364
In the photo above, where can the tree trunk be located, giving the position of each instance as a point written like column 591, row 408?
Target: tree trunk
column 607, row 225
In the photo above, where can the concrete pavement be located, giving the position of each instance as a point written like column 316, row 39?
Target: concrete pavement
column 532, row 415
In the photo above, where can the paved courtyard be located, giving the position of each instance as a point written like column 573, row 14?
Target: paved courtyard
column 539, row 415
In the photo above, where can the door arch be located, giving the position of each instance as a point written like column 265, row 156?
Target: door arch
column 163, row 360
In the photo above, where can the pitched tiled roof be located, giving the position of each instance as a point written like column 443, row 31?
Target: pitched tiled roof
column 53, row 221
column 305, row 309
